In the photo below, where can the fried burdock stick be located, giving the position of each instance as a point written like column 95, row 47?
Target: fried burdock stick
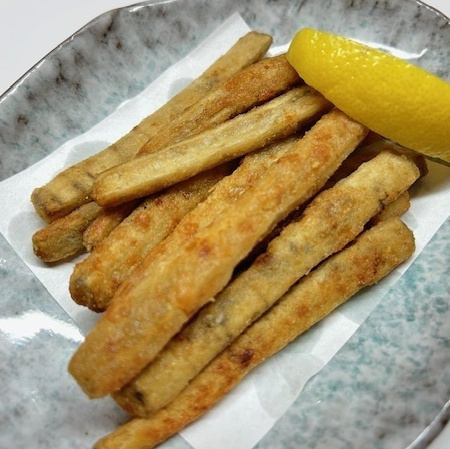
column 395, row 209
column 333, row 219
column 96, row 279
column 63, row 238
column 245, row 133
column 364, row 153
column 196, row 261
column 250, row 87
column 371, row 257
column 71, row 188
column 255, row 84
column 105, row 223
column 94, row 283
column 367, row 152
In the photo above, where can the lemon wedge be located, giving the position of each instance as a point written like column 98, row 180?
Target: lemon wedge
column 390, row 96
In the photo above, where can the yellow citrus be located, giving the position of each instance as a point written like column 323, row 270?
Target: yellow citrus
column 389, row 95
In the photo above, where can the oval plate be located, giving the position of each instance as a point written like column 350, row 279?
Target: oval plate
column 388, row 383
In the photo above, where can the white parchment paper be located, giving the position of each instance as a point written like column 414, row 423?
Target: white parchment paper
column 248, row 413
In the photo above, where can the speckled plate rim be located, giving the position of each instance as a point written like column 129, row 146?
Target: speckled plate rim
column 429, row 434
column 131, row 7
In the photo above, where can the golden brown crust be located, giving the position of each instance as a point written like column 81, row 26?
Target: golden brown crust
column 196, row 261
column 367, row 152
column 63, row 238
column 248, row 49
column 250, row 87
column 104, row 224
column 245, row 133
column 334, row 218
column 96, row 279
column 72, row 187
column 374, row 254
column 395, row 209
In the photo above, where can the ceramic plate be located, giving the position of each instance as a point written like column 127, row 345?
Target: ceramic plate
column 385, row 389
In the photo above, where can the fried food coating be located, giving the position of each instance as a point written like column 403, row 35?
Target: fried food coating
column 63, row 238
column 104, row 224
column 333, row 219
column 395, row 209
column 72, row 187
column 371, row 257
column 250, row 87
column 279, row 118
column 96, row 279
column 196, row 261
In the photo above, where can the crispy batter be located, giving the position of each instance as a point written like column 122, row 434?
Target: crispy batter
column 63, row 238
column 367, row 152
column 104, row 224
column 127, row 245
column 384, row 145
column 71, row 188
column 333, row 219
column 395, row 209
column 374, row 254
column 248, row 49
column 247, row 132
column 274, row 75
column 251, row 86
column 348, row 166
column 96, row 279
column 196, row 261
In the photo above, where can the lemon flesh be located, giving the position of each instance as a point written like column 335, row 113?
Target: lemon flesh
column 389, row 95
